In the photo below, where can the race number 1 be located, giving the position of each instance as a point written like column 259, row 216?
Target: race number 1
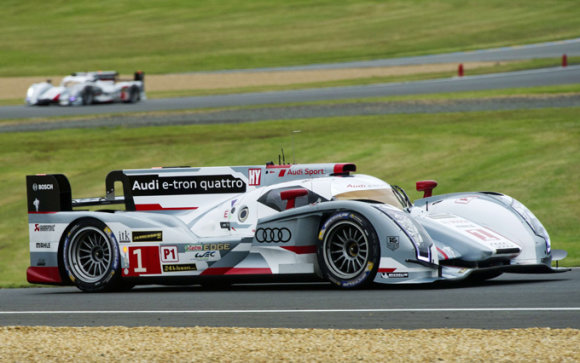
column 143, row 260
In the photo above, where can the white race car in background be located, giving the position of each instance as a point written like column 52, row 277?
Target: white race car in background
column 86, row 88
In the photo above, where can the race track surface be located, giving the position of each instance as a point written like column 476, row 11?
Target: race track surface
column 510, row 301
column 530, row 78
column 570, row 47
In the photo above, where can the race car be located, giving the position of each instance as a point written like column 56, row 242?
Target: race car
column 290, row 222
column 86, row 88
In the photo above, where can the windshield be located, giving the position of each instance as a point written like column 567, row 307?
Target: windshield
column 383, row 195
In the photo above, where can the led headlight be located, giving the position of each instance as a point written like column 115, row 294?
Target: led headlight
column 533, row 222
column 409, row 227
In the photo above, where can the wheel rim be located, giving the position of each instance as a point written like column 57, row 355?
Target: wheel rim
column 346, row 250
column 90, row 254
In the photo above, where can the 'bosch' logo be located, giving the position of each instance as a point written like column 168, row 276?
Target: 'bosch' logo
column 273, row 235
column 37, row 187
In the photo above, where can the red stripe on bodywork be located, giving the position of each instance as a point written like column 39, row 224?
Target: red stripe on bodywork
column 41, row 212
column 300, row 250
column 43, row 275
column 145, row 207
column 442, row 253
column 236, row 271
column 386, row 270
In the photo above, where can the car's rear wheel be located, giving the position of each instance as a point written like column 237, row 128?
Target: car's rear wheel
column 91, row 257
column 349, row 253
column 87, row 96
column 133, row 95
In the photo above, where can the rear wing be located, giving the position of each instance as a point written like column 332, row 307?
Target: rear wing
column 175, row 188
column 48, row 193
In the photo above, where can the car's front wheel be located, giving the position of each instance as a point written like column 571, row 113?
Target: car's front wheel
column 91, row 257
column 349, row 253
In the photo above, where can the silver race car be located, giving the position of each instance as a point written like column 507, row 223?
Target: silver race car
column 88, row 88
column 311, row 222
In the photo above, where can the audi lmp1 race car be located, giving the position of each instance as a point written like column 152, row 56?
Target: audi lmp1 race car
column 309, row 222
column 87, row 88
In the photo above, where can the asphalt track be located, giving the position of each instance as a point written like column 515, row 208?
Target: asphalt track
column 530, row 78
column 570, row 47
column 510, row 301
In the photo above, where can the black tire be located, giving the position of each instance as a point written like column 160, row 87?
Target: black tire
column 91, row 257
column 349, row 253
column 88, row 96
column 133, row 95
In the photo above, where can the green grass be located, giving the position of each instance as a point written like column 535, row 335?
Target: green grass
column 58, row 37
column 531, row 155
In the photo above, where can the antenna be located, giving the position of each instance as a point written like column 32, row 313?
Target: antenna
column 283, row 157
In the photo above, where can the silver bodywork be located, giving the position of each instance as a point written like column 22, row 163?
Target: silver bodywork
column 185, row 225
column 85, row 88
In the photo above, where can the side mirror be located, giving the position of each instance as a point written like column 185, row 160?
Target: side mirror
column 426, row 186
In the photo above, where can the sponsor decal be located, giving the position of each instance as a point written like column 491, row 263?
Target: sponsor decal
column 147, row 236
column 37, row 187
column 482, row 234
column 207, row 184
column 330, row 221
column 465, row 200
column 301, row 172
column 254, row 176
column 208, row 247
column 124, row 236
column 42, row 244
column 180, row 268
column 44, row 227
column 360, row 278
column 169, row 254
column 395, row 275
column 392, row 242
column 274, row 235
column 36, row 204
column 354, row 186
column 207, row 255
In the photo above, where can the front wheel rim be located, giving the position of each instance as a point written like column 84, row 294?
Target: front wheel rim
column 90, row 254
column 346, row 250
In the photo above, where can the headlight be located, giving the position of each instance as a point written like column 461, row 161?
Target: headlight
column 533, row 222
column 30, row 92
column 422, row 247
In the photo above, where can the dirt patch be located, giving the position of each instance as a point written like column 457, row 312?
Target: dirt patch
column 164, row 344
column 15, row 87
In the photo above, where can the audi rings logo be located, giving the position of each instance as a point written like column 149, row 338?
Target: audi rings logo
column 275, row 235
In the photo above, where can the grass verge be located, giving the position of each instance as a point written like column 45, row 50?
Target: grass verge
column 528, row 154
column 180, row 35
